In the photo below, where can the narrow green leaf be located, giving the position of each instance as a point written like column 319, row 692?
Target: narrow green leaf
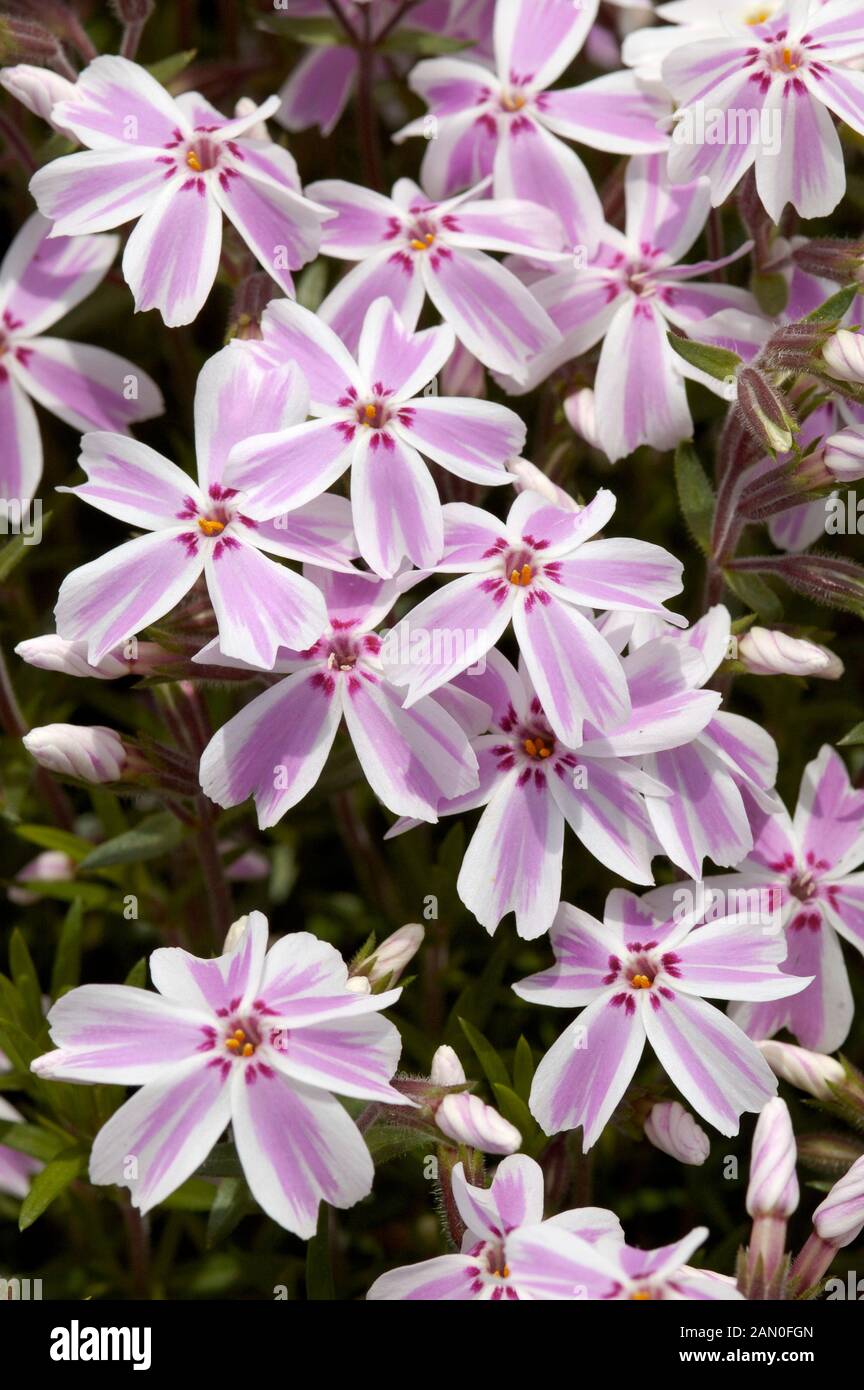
column 50, row 1183
column 515, row 1109
column 834, row 307
column 15, row 550
column 493, row 1067
column 48, row 837
column 155, row 835
column 66, row 972
column 167, row 68
column 853, row 738
column 771, row 292
column 137, row 977
column 717, row 362
column 26, row 981
column 523, row 1068
column 695, row 495
column 756, row 594
column 230, row 1205
column 32, row 1140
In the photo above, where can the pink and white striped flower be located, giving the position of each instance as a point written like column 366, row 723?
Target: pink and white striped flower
column 508, row 122
column 262, row 1040
column 531, row 784
column 369, row 416
column 805, row 864
column 787, row 78
column 276, row 747
column 612, row 1271
column 41, row 279
column 203, row 528
column 499, row 1219
column 644, row 978
column 542, row 570
column 409, row 246
column 630, row 294
column 174, row 167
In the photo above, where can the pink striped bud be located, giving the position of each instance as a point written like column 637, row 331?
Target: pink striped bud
column 840, row 1218
column 844, row 355
column 39, row 89
column 51, row 866
column 773, row 1186
column 673, row 1130
column 844, row 454
column 95, row 753
column 466, row 1119
column 447, row 1070
column 388, row 960
column 809, row 1071
column 53, row 653
column 767, row 652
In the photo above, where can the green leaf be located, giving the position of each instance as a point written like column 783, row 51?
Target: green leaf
column 230, row 1205
column 26, row 981
column 155, row 835
column 312, row 284
column 424, row 45
column 32, row 1140
column 834, row 307
column 167, row 68
column 221, row 1162
column 193, row 1195
column 66, row 972
column 315, row 33
column 14, row 551
column 48, row 837
column 717, row 362
column 493, row 1067
column 515, row 1109
column 853, row 738
column 51, row 1183
column 523, row 1068
column 695, row 495
column 756, row 594
column 771, row 292
column 137, row 977
column 319, row 1267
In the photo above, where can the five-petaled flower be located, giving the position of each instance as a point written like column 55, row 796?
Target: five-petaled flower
column 261, row 1040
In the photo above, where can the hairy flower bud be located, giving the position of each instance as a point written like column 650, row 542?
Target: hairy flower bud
column 830, row 258
column 388, row 960
column 809, row 1071
column 773, row 1186
column 53, row 653
column 767, row 652
column 844, row 355
column 765, row 411
column 95, row 753
column 844, row 454
column 466, row 1119
column 673, row 1130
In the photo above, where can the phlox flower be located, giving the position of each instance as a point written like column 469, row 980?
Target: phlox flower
column 41, row 279
column 542, row 570
column 788, row 77
column 276, row 747
column 499, row 1220
column 261, row 1040
column 369, row 416
column 629, row 295
column 804, row 866
column 408, row 246
column 720, row 783
column 689, row 21
column 609, row 1270
column 202, row 528
column 174, row 166
column 531, row 784
column 508, row 122
column 643, row 977
column 16, row 1169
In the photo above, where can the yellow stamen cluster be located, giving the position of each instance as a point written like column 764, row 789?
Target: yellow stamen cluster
column 238, row 1044
column 536, row 748
column 513, row 103
column 787, row 61
column 522, row 576
column 759, row 16
column 369, row 411
column 209, row 526
column 418, row 245
column 193, row 161
column 640, row 1296
column 641, row 982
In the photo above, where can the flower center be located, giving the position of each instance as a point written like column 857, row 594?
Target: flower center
column 538, row 746
column 242, row 1038
column 373, row 414
column 202, row 154
column 513, row 100
column 641, row 1295
column 785, row 58
column 421, row 234
column 803, row 886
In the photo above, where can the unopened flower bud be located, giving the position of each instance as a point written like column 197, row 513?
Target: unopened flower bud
column 809, row 1071
column 767, row 652
column 235, row 934
column 466, row 1119
column 829, row 1153
column 53, row 653
column 244, row 106
column 51, row 866
column 530, row 478
column 773, row 1186
column 95, row 753
column 447, row 1070
column 844, row 454
column 765, row 411
column 581, row 411
column 673, row 1130
column 840, row 1218
column 388, row 960
column 830, row 258
column 39, row 89
column 358, row 984
column 844, row 355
